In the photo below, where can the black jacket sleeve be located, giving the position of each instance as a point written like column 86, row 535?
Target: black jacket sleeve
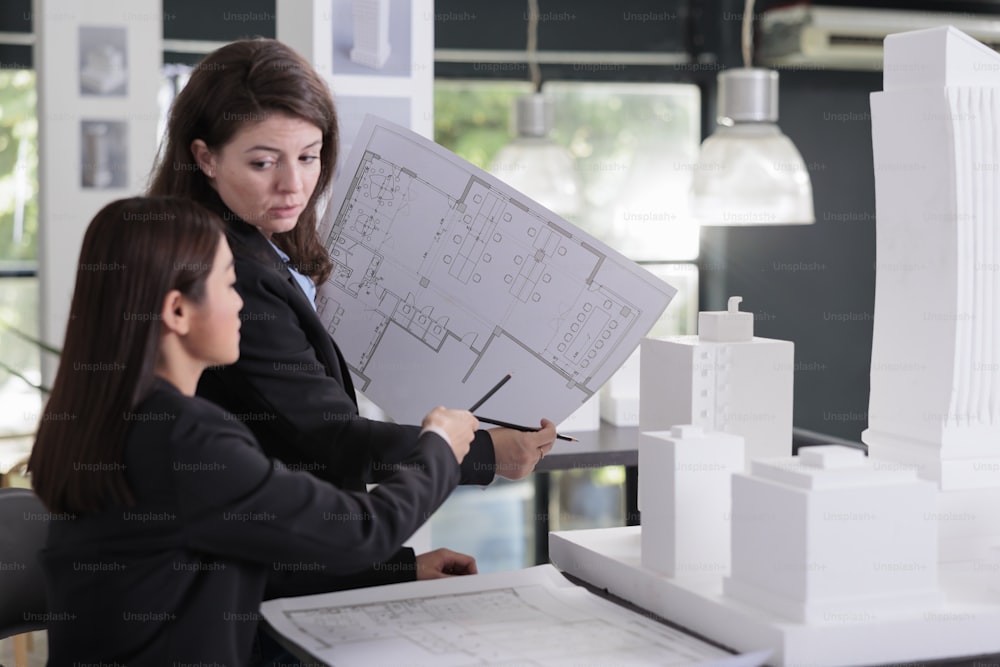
column 301, row 525
column 402, row 566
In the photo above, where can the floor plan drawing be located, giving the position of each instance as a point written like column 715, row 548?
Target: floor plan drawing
column 445, row 280
column 526, row 617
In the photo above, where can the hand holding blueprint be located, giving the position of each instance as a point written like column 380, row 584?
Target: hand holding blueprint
column 445, row 279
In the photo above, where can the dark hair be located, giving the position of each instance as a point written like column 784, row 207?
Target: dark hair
column 243, row 82
column 134, row 252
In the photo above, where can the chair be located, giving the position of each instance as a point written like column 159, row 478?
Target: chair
column 23, row 527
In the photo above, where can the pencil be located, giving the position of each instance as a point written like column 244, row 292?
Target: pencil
column 518, row 427
column 502, row 382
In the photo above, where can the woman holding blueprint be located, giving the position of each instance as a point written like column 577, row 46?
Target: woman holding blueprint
column 167, row 520
column 253, row 136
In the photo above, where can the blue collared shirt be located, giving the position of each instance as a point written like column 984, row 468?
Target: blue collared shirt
column 306, row 283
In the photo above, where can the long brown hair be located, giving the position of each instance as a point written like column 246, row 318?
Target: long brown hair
column 134, row 253
column 242, row 83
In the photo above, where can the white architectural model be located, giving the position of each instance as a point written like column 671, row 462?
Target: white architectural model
column 829, row 534
column 724, row 379
column 620, row 395
column 935, row 377
column 684, row 496
column 371, row 33
column 839, row 559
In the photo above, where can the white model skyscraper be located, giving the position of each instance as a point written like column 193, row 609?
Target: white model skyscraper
column 935, row 375
column 371, row 33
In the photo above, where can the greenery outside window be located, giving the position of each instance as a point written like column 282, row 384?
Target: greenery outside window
column 19, row 354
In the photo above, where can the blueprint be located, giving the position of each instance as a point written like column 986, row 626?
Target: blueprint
column 445, row 280
column 526, row 617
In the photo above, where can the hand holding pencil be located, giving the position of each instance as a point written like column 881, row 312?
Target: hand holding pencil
column 497, row 422
column 518, row 449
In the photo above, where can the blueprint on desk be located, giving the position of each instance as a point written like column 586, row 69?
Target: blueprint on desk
column 445, row 280
column 525, row 617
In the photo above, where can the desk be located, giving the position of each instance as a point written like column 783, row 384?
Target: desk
column 988, row 660
column 964, row 624
column 534, row 615
column 610, row 445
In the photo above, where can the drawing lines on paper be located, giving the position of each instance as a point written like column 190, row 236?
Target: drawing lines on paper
column 484, row 626
column 466, row 266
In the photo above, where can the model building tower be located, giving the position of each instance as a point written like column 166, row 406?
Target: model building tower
column 935, row 374
column 724, row 379
column 371, row 33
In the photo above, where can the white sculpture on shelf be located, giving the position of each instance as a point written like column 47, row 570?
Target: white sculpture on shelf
column 620, row 394
column 371, row 33
column 724, row 379
column 684, row 498
column 587, row 417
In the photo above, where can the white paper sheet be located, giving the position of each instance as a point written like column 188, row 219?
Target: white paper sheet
column 526, row 617
column 445, row 280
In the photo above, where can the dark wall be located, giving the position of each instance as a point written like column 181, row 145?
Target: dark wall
column 814, row 285
column 211, row 20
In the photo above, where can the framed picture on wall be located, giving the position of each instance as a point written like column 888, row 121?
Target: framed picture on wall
column 103, row 154
column 103, row 61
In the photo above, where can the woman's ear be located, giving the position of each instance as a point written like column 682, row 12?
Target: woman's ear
column 176, row 313
column 204, row 157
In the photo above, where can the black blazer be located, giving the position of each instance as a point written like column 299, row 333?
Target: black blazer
column 292, row 387
column 179, row 577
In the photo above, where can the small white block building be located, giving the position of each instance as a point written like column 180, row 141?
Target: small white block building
column 831, row 536
column 684, row 497
column 724, row 379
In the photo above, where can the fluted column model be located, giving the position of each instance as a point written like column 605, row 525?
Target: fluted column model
column 935, row 373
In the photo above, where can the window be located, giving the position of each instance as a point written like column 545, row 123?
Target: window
column 20, row 355
column 634, row 147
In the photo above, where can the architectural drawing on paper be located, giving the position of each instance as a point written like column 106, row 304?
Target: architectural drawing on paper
column 451, row 278
column 488, row 627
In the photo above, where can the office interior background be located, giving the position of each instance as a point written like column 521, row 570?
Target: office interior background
column 634, row 88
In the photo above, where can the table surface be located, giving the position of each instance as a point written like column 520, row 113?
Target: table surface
column 610, row 445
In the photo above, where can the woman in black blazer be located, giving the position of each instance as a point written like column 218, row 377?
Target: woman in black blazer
column 167, row 519
column 253, row 136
